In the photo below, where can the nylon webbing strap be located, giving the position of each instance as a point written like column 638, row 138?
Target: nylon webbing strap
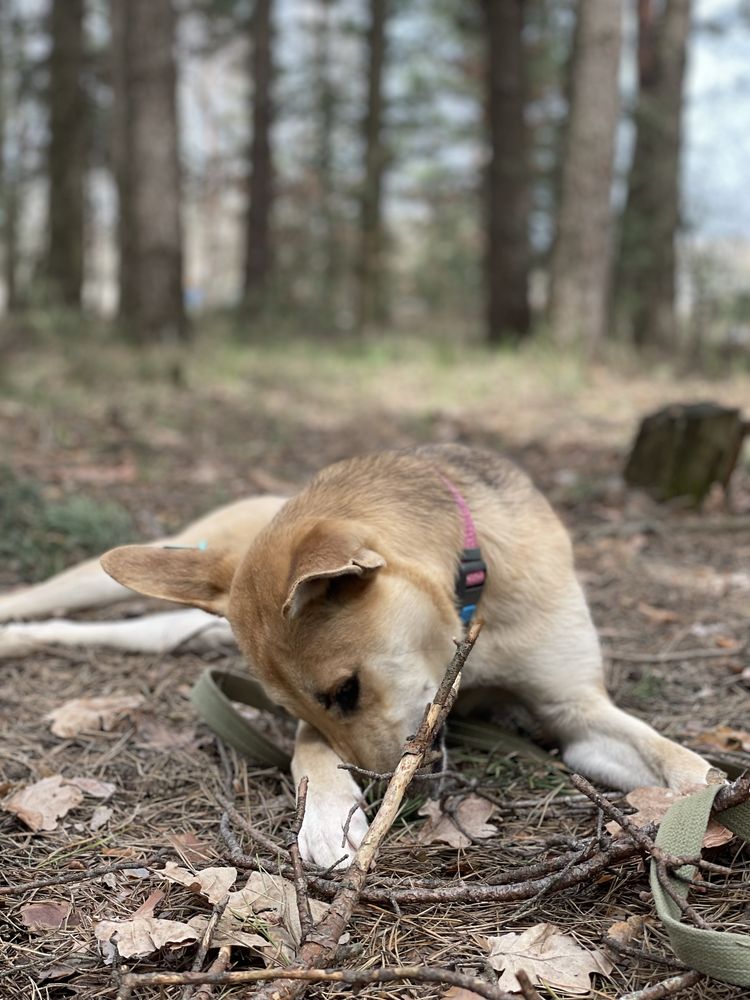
column 212, row 697
column 723, row 955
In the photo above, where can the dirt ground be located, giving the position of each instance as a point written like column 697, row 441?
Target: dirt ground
column 660, row 581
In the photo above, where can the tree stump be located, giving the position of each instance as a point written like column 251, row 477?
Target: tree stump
column 682, row 450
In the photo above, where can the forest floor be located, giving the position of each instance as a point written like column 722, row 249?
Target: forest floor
column 101, row 424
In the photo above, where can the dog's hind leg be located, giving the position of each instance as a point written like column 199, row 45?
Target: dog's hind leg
column 159, row 633
column 87, row 585
column 563, row 680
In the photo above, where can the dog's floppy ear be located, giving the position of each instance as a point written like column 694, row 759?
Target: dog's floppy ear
column 324, row 554
column 187, row 576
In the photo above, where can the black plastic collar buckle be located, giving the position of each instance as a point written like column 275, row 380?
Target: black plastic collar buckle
column 470, row 581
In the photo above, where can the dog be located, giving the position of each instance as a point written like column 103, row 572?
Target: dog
column 346, row 599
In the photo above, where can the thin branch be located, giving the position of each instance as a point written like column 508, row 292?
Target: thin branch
column 44, row 883
column 298, row 976
column 666, row 988
column 200, row 955
column 300, row 879
column 219, row 965
column 675, row 656
column 528, row 990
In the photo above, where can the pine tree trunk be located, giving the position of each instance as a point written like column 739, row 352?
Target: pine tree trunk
column 66, row 153
column 582, row 252
column 650, row 222
column 325, row 223
column 507, row 254
column 9, row 42
column 147, row 170
column 370, row 303
column 259, row 250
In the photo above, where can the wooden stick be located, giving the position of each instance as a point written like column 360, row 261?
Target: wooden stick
column 298, row 976
column 667, row 988
column 306, row 922
column 219, row 965
column 319, row 948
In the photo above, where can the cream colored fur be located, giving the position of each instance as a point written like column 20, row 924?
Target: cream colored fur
column 354, row 578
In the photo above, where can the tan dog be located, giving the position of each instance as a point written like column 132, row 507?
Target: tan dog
column 343, row 602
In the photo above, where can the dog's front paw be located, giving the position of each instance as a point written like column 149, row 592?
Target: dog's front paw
column 326, row 836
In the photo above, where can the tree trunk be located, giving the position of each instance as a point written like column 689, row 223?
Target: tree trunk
column 646, row 262
column 582, row 252
column 66, row 152
column 147, row 170
column 507, row 254
column 325, row 213
column 370, row 304
column 10, row 42
column 258, row 250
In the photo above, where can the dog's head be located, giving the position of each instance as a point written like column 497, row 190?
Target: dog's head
column 337, row 629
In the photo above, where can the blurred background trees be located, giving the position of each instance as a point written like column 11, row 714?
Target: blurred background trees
column 495, row 170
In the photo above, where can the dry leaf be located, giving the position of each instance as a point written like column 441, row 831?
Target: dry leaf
column 213, row 883
column 101, row 816
column 230, row 934
column 546, row 955
column 271, row 900
column 92, row 786
column 40, row 805
column 725, row 738
column 624, row 932
column 148, row 906
column 659, row 616
column 156, row 734
column 87, row 714
column 191, row 849
column 471, row 813
column 140, row 936
column 652, row 803
column 459, row 993
column 45, row 916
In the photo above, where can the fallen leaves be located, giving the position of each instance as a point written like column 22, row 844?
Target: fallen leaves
column 91, row 714
column 725, row 738
column 546, row 955
column 140, row 936
column 262, row 916
column 651, row 804
column 213, row 883
column 623, row 932
column 45, row 915
column 40, row 805
column 459, row 822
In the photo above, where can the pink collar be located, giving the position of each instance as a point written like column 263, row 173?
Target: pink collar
column 472, row 571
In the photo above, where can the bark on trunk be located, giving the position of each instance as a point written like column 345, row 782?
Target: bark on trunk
column 646, row 262
column 66, row 153
column 507, row 256
column 259, row 250
column 147, row 170
column 582, row 252
column 370, row 302
column 9, row 188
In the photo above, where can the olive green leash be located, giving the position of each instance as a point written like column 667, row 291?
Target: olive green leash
column 723, row 955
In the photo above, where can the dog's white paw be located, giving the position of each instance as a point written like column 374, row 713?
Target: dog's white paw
column 321, row 838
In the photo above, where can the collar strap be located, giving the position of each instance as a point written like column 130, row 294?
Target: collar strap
column 472, row 570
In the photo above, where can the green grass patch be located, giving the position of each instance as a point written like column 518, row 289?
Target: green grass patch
column 39, row 537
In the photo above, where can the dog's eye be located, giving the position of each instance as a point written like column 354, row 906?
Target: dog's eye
column 346, row 695
column 344, row 698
